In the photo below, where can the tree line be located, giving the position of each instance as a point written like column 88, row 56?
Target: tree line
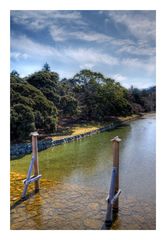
column 41, row 101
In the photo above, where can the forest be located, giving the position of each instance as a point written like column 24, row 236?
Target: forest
column 42, row 101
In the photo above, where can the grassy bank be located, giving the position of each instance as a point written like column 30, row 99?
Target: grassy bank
column 77, row 129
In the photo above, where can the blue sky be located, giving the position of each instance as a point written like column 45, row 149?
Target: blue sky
column 119, row 44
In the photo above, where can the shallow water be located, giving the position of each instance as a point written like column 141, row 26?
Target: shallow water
column 86, row 165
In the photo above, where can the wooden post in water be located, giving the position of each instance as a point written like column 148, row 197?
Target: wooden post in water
column 114, row 191
column 35, row 155
column 33, row 164
column 116, row 140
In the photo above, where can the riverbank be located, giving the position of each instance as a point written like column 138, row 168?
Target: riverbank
column 78, row 133
column 78, row 129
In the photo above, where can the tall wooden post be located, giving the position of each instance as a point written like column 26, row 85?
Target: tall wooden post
column 114, row 191
column 35, row 155
column 116, row 140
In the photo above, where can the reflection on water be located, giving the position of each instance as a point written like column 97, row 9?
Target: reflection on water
column 87, row 164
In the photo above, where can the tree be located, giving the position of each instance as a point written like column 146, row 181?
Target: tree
column 84, row 76
column 25, row 96
column 142, row 100
column 43, row 79
column 99, row 97
column 46, row 67
column 55, row 91
column 22, row 122
column 49, row 123
column 69, row 105
column 15, row 77
column 14, row 73
column 38, row 100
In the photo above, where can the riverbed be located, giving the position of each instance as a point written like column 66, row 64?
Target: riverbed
column 79, row 175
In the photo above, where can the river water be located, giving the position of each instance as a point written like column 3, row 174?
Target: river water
column 87, row 164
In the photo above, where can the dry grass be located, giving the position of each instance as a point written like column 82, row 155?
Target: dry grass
column 128, row 118
column 81, row 129
column 85, row 128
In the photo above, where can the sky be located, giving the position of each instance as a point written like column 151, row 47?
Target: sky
column 119, row 44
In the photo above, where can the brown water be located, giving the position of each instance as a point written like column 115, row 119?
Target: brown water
column 80, row 175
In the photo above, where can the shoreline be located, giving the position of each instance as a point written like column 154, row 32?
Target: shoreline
column 19, row 150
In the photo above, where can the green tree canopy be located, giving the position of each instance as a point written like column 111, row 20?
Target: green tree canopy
column 40, row 98
column 22, row 122
column 25, row 97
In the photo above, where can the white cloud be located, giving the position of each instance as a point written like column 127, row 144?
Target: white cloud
column 139, row 49
column 147, row 66
column 26, row 46
column 87, row 66
column 37, row 20
column 91, row 36
column 118, row 77
column 26, row 49
column 81, row 56
column 62, row 34
column 18, row 56
column 129, row 51
column 138, row 83
column 52, row 20
column 139, row 24
column 58, row 33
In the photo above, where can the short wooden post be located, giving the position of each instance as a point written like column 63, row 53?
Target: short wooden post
column 116, row 140
column 35, row 155
column 33, row 164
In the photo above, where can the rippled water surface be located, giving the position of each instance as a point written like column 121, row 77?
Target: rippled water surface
column 85, row 166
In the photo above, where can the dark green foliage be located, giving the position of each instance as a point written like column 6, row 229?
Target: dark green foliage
column 30, row 110
column 38, row 99
column 52, row 96
column 49, row 124
column 43, row 79
column 69, row 105
column 22, row 122
column 98, row 96
column 55, row 91
column 14, row 77
column 14, row 73
column 39, row 120
column 142, row 100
